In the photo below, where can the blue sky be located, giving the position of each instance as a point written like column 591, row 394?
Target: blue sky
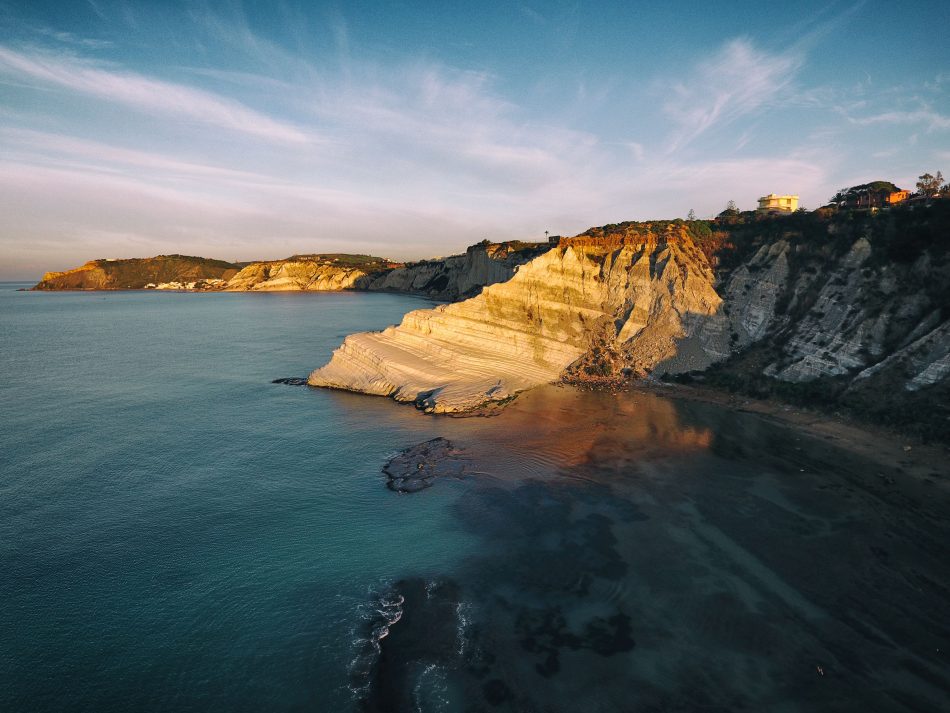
column 414, row 129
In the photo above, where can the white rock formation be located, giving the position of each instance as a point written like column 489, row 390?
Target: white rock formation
column 624, row 299
column 647, row 295
column 286, row 275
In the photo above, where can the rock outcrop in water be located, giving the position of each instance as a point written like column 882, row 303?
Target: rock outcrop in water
column 642, row 293
column 847, row 309
column 416, row 467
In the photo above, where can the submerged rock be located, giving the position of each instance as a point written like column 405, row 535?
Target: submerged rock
column 291, row 381
column 416, row 467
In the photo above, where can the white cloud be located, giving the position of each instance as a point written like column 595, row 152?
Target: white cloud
column 54, row 149
column 736, row 81
column 145, row 94
column 931, row 119
column 636, row 149
column 425, row 159
column 70, row 38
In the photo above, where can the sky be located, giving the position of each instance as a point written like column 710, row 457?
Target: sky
column 413, row 129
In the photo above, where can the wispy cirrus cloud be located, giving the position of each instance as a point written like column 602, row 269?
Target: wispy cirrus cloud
column 40, row 147
column 449, row 123
column 145, row 94
column 71, row 38
column 932, row 120
column 736, row 81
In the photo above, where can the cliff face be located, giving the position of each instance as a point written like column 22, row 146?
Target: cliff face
column 137, row 273
column 283, row 275
column 449, row 279
column 458, row 276
column 840, row 318
column 848, row 311
column 639, row 296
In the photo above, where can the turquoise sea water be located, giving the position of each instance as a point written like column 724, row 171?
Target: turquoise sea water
column 176, row 530
column 178, row 533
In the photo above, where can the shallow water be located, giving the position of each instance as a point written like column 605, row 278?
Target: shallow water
column 177, row 533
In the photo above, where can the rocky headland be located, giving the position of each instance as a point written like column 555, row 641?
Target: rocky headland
column 445, row 279
column 647, row 289
column 168, row 271
column 847, row 310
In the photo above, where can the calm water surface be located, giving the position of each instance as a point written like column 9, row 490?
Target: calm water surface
column 177, row 533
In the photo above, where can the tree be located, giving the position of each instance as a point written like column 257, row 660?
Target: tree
column 691, row 215
column 731, row 205
column 854, row 194
column 929, row 185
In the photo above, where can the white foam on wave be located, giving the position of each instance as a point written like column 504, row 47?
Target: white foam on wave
column 462, row 619
column 382, row 610
column 431, row 690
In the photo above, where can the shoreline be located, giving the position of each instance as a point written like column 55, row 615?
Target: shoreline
column 903, row 453
column 419, row 295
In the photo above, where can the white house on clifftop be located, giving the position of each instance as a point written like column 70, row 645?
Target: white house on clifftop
column 778, row 204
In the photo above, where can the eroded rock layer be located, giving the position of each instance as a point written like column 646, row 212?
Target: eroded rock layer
column 296, row 275
column 642, row 293
column 457, row 276
column 842, row 310
column 849, row 310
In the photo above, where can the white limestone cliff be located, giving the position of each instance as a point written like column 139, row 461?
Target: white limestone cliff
column 645, row 296
column 286, row 275
column 643, row 300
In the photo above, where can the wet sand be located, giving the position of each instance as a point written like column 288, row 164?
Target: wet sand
column 644, row 553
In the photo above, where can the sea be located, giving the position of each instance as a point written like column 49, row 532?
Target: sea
column 178, row 533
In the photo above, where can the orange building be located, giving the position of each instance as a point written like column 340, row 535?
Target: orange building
column 896, row 197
